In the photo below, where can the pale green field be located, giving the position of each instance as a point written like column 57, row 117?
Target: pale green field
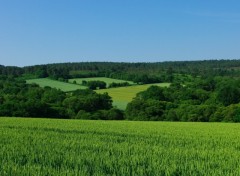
column 106, row 80
column 123, row 95
column 66, row 87
column 77, row 147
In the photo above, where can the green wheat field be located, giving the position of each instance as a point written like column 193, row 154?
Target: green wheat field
column 77, row 147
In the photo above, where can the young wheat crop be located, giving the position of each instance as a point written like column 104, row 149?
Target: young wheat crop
column 75, row 147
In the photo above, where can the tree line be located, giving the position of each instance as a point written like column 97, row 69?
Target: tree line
column 29, row 100
column 137, row 72
column 199, row 91
column 209, row 100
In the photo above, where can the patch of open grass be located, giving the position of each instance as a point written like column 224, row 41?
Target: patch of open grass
column 66, row 87
column 123, row 95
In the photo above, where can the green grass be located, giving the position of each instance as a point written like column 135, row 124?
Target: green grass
column 123, row 95
column 66, row 87
column 106, row 80
column 75, row 147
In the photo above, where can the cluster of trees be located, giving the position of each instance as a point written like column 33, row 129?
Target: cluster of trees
column 93, row 85
column 213, row 99
column 200, row 91
column 22, row 100
column 10, row 70
column 121, row 84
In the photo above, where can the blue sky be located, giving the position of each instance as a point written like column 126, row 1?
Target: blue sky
column 52, row 31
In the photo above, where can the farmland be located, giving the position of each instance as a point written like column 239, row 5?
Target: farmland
column 66, row 87
column 76, row 147
column 123, row 95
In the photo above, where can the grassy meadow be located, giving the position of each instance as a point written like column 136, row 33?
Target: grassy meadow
column 76, row 147
column 66, row 87
column 106, row 80
column 123, row 95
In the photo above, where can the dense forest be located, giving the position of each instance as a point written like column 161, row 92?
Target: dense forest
column 138, row 72
column 199, row 91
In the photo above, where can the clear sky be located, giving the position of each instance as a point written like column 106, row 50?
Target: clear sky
column 52, row 31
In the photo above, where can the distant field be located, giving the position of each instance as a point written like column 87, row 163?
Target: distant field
column 106, row 80
column 123, row 95
column 77, row 147
column 66, row 87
